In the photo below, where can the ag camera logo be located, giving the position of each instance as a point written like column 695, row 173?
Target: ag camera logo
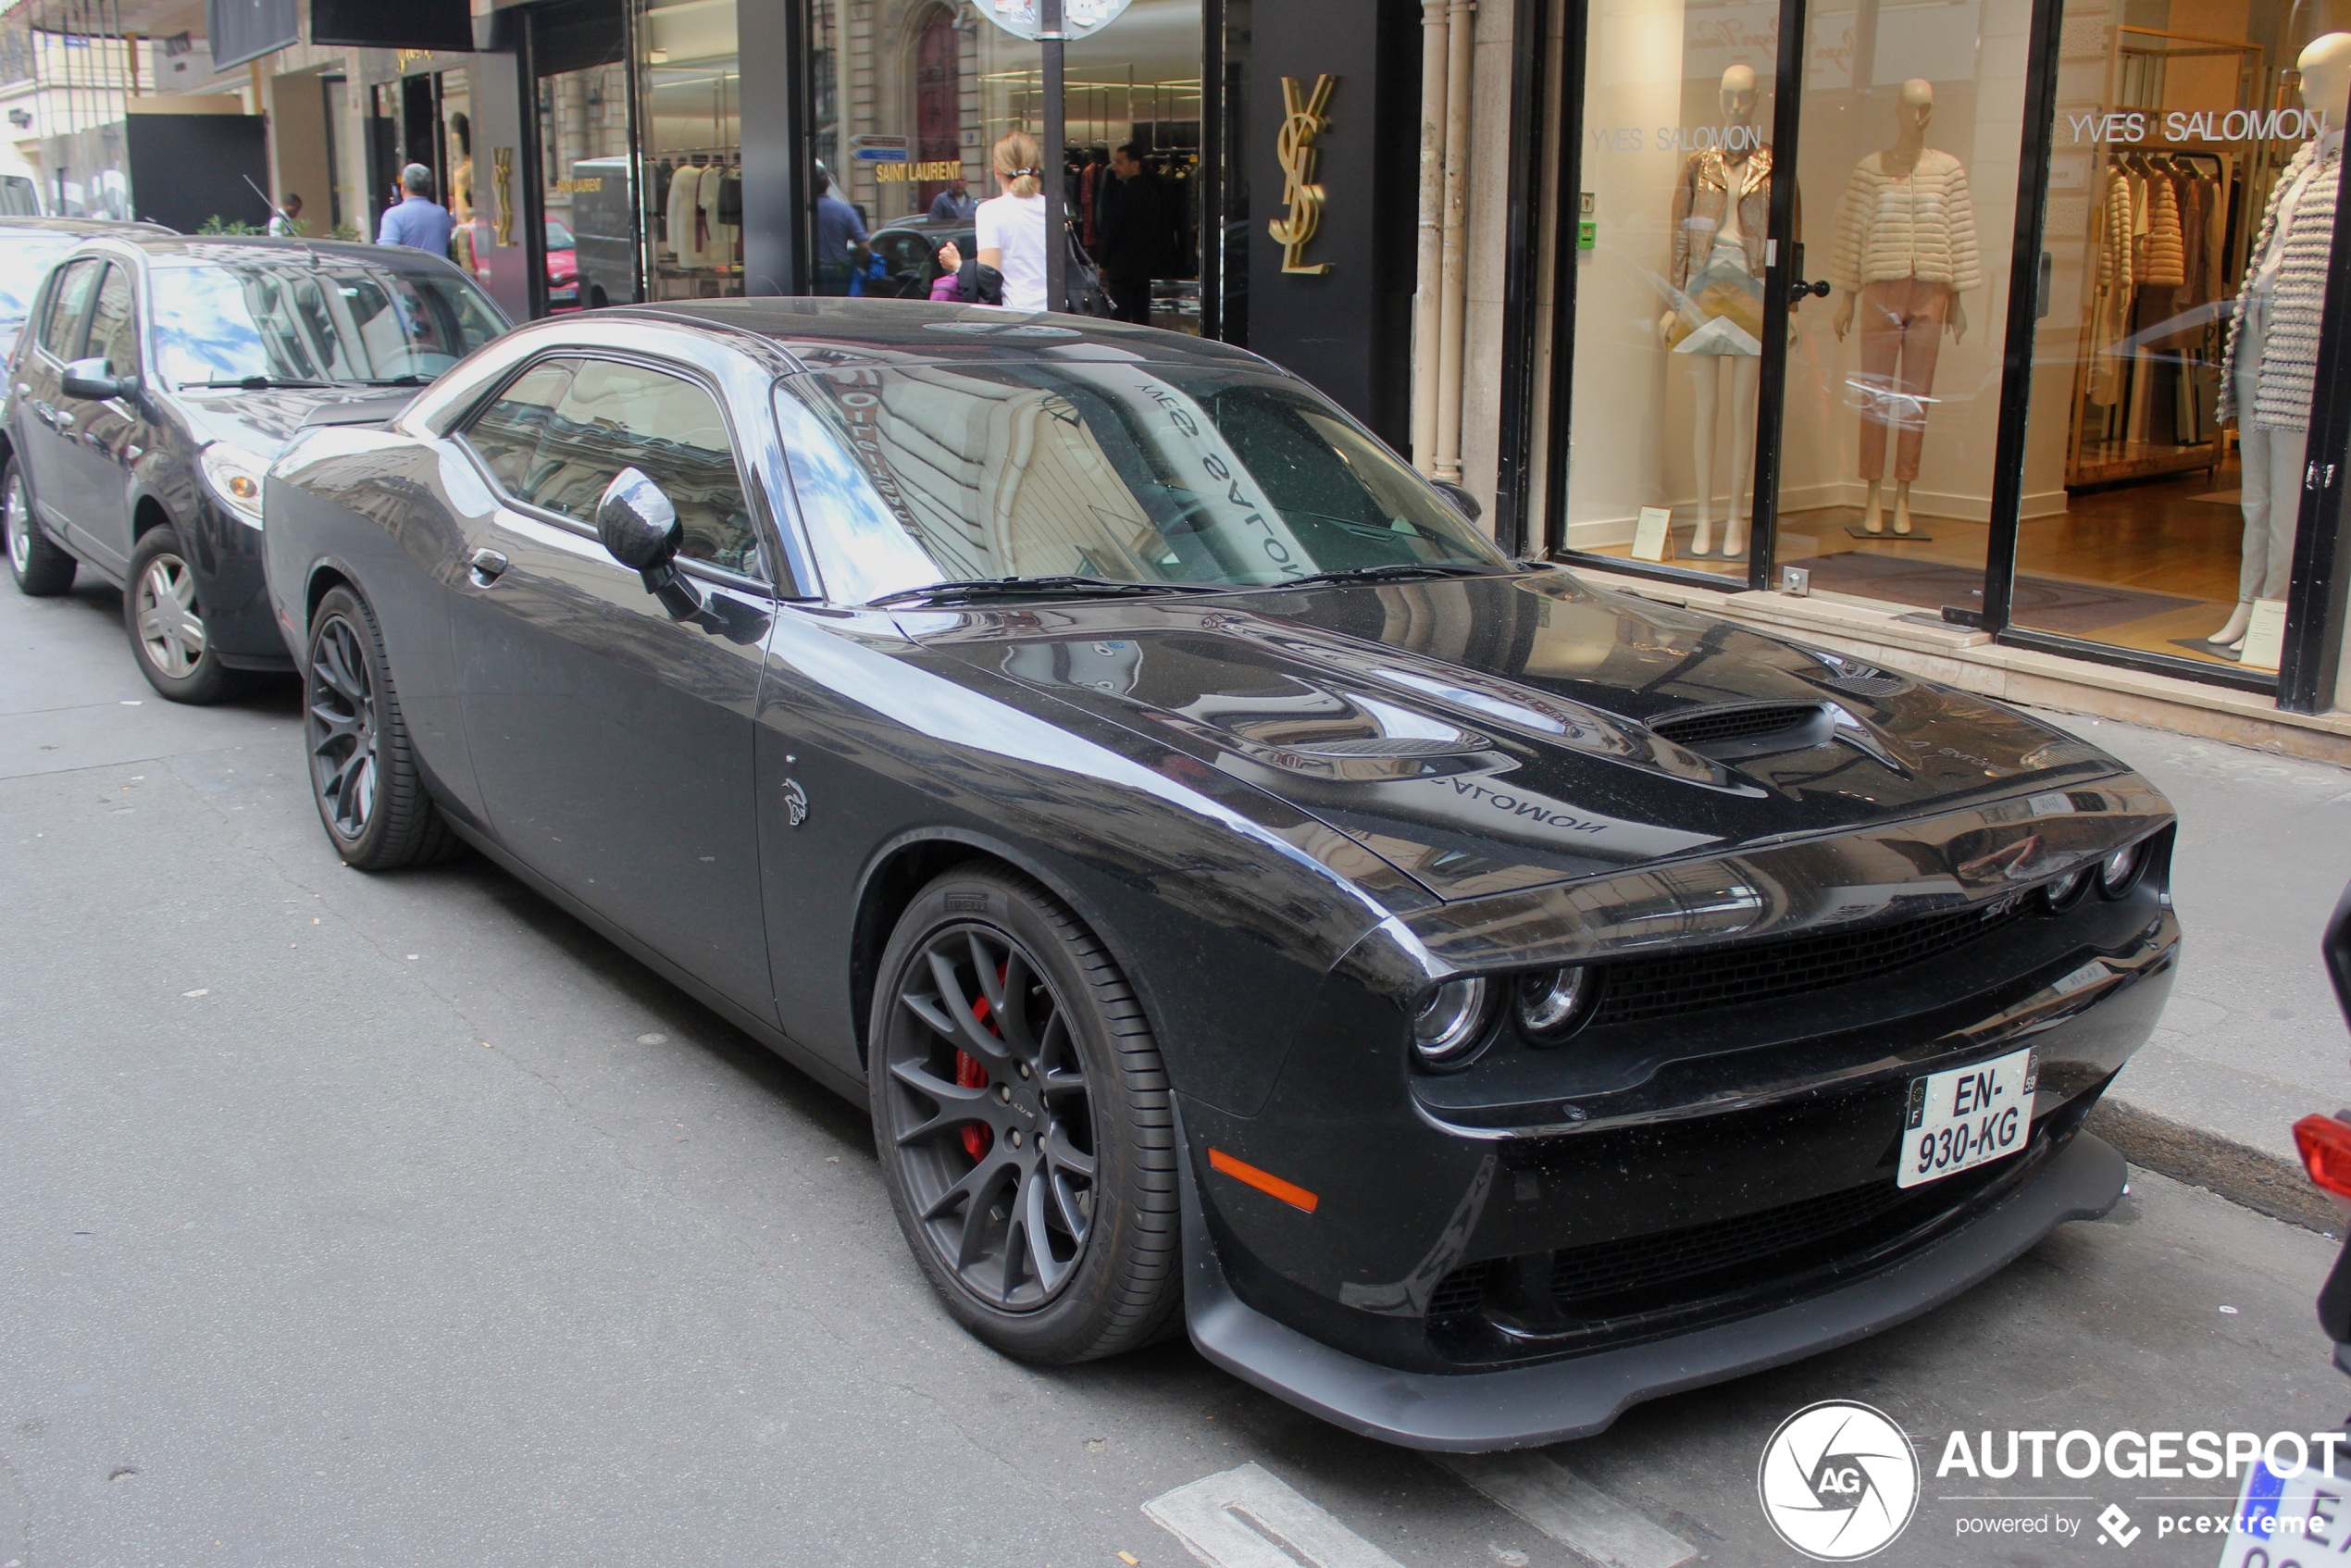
column 1838, row 1481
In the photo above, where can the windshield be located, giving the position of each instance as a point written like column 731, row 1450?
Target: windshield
column 24, row 261
column 559, row 237
column 341, row 319
column 1226, row 476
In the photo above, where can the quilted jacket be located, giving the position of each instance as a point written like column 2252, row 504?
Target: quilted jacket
column 2288, row 372
column 1898, row 226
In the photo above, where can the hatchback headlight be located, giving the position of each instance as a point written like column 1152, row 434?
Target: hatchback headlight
column 1553, row 1003
column 1450, row 1023
column 234, row 476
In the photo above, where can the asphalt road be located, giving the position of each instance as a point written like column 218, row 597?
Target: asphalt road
column 401, row 1220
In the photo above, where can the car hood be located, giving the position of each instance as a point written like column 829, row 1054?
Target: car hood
column 265, row 422
column 1488, row 734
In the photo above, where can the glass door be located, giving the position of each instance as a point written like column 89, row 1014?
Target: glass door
column 1672, row 327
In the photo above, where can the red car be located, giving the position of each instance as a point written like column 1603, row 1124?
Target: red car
column 563, row 270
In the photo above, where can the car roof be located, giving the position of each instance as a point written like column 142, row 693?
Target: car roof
column 164, row 244
column 826, row 332
column 82, row 226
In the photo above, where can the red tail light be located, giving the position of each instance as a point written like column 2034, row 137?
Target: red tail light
column 2325, row 1144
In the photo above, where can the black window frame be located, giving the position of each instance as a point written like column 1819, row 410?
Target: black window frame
column 80, row 334
column 764, row 521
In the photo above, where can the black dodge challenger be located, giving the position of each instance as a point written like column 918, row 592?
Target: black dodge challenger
column 1468, row 1002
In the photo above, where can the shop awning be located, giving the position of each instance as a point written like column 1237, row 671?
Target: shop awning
column 394, row 24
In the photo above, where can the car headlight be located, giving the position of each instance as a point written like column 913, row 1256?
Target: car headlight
column 2067, row 890
column 1553, row 1003
column 2118, row 873
column 234, row 474
column 1450, row 1024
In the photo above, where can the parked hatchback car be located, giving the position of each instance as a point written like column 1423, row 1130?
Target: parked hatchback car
column 1468, row 1001
column 160, row 377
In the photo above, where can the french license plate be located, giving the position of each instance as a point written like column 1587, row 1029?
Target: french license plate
column 1967, row 1116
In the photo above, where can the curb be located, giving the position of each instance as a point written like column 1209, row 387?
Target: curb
column 2265, row 1183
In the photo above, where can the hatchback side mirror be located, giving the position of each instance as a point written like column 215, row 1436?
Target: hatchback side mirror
column 94, row 381
column 1463, row 502
column 639, row 529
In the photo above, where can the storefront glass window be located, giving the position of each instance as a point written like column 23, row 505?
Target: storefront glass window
column 587, row 176
column 691, row 175
column 1908, row 134
column 2190, row 210
column 910, row 96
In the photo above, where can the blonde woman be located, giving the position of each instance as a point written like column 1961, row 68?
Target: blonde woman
column 1012, row 227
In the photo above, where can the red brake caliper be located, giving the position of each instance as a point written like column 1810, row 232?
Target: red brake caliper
column 969, row 1073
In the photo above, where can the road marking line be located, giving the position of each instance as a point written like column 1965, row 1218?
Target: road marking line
column 1571, row 1511
column 1247, row 1517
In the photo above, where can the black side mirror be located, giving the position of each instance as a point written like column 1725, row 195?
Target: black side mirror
column 94, row 381
column 639, row 527
column 1463, row 502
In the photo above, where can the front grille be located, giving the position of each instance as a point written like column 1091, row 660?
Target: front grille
column 1719, row 725
column 1643, row 1262
column 1659, row 988
column 1463, row 1291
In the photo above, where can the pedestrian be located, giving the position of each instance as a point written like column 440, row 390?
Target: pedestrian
column 954, row 205
column 1011, row 226
column 843, row 248
column 419, row 222
column 965, row 281
column 1137, row 220
column 286, row 222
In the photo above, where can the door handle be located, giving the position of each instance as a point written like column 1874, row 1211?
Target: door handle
column 486, row 566
column 1798, row 290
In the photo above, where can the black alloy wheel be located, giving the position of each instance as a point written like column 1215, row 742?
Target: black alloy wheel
column 363, row 776
column 164, row 614
column 1024, row 1121
column 42, row 569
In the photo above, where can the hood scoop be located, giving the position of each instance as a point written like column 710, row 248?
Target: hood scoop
column 1748, row 729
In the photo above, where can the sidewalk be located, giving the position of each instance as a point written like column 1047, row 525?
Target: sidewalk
column 2251, row 1040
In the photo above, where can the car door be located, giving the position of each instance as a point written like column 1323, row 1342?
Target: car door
column 43, row 430
column 613, row 745
column 103, row 439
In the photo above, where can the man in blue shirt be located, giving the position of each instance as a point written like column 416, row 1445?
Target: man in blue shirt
column 842, row 250
column 419, row 221
column 954, row 205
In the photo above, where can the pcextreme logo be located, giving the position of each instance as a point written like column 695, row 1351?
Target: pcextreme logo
column 1838, row 1481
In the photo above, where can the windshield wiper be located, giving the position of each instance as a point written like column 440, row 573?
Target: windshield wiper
column 1393, row 570
column 1017, row 587
column 259, row 383
column 409, row 380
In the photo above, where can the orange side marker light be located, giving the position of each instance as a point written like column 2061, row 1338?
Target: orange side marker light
column 1267, row 1182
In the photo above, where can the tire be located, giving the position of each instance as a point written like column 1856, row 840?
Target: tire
column 163, row 615
column 1032, row 1166
column 42, row 569
column 364, row 779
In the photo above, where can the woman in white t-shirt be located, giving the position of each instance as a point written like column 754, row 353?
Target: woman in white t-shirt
column 1012, row 227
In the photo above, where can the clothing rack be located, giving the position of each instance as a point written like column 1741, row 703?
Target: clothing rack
column 2146, row 376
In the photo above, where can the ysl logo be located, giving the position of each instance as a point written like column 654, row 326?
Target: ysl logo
column 502, row 177
column 1304, row 118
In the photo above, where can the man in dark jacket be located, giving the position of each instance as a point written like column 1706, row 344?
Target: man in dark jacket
column 1137, row 219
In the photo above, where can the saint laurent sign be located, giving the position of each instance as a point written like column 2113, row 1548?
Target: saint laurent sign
column 1304, row 118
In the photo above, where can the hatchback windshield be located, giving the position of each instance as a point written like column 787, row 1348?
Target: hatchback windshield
column 1134, row 472
column 341, row 319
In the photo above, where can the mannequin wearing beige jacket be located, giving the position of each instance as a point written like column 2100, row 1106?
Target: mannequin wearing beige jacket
column 1905, row 253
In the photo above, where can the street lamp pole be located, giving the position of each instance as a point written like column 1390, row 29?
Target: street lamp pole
column 1052, row 155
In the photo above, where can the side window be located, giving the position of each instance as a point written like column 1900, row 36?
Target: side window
column 68, row 303
column 614, row 416
column 508, row 433
column 114, row 324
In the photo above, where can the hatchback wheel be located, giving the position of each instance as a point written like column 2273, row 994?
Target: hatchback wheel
column 40, row 568
column 363, row 775
column 164, row 614
column 1024, row 1121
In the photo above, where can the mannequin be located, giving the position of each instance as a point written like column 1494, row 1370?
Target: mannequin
column 2266, row 378
column 1905, row 253
column 1720, row 209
